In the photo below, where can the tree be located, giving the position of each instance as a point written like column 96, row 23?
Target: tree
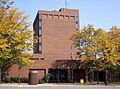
column 5, row 4
column 100, row 49
column 107, row 50
column 83, row 40
column 15, row 39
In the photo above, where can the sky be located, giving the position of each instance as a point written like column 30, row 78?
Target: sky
column 100, row 13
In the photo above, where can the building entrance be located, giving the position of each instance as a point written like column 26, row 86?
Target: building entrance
column 57, row 75
column 78, row 74
column 66, row 75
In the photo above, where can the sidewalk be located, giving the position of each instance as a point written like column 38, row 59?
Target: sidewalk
column 53, row 84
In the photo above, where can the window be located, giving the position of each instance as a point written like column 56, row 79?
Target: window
column 40, row 43
column 77, row 25
column 56, row 16
column 40, row 32
column 76, row 22
column 61, row 16
column 76, row 18
column 40, row 16
column 66, row 17
column 34, row 58
column 42, row 58
column 40, row 47
column 40, row 27
column 51, row 15
column 40, row 20
column 72, row 17
column 45, row 15
column 40, row 39
column 40, row 24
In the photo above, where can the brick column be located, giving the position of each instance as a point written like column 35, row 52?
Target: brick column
column 46, row 71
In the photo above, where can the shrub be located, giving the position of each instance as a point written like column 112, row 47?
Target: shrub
column 40, row 81
column 46, row 78
column 16, row 80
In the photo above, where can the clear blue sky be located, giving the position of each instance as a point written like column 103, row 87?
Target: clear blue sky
column 101, row 13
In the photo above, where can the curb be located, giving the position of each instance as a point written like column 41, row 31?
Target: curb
column 55, row 85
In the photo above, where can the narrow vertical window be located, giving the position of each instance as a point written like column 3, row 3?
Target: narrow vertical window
column 77, row 22
column 40, row 26
column 77, row 25
column 40, row 34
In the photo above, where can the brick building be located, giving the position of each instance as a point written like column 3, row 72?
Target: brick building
column 54, row 52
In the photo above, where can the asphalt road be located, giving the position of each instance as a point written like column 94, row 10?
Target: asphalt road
column 62, row 87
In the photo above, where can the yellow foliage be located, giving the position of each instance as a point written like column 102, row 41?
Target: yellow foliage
column 14, row 36
column 102, row 47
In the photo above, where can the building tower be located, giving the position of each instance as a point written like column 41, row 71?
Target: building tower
column 53, row 52
column 53, row 30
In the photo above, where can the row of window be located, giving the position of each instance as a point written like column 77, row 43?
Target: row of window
column 59, row 16
column 40, row 31
column 77, row 22
column 40, row 34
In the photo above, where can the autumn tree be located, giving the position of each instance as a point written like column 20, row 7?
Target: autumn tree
column 6, row 4
column 106, row 51
column 83, row 40
column 100, row 49
column 15, row 39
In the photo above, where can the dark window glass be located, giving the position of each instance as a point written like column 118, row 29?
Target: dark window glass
column 42, row 58
column 40, row 27
column 40, row 20
column 76, row 22
column 76, row 18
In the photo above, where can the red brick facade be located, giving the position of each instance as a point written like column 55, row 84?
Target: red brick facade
column 54, row 49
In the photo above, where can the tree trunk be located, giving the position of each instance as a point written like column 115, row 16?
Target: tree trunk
column 86, row 75
column 110, row 76
column 18, row 76
column 106, row 77
column 97, row 77
column 91, row 77
column 0, row 76
column 58, row 76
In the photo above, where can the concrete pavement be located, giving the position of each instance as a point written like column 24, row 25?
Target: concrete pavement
column 54, row 85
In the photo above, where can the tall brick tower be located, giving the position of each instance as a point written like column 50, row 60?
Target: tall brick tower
column 54, row 53
column 53, row 29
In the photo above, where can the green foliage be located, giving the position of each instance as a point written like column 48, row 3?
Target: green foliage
column 16, row 80
column 40, row 81
column 45, row 79
column 100, row 49
column 15, row 39
column 5, row 4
